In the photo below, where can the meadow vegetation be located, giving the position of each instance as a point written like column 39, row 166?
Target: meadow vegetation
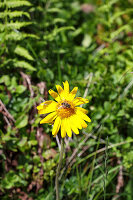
column 90, row 44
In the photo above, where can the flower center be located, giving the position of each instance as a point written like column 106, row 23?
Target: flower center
column 65, row 109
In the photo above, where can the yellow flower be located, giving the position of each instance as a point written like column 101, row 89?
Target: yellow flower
column 64, row 112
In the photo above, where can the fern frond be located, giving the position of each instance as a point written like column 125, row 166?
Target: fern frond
column 59, row 20
column 13, row 14
column 17, row 36
column 24, row 64
column 21, row 51
column 54, row 10
column 15, row 4
column 14, row 25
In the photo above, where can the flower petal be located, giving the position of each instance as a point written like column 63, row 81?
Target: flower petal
column 69, row 131
column 82, row 110
column 54, row 95
column 49, row 118
column 83, row 123
column 76, row 121
column 61, row 92
column 79, row 100
column 59, row 89
column 74, row 125
column 49, row 108
column 73, row 93
column 66, row 87
column 63, row 128
column 83, row 116
column 65, row 95
column 74, row 129
column 56, row 126
column 42, row 105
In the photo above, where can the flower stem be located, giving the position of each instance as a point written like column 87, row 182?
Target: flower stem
column 58, row 169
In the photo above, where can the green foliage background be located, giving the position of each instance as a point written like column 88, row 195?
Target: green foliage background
column 90, row 44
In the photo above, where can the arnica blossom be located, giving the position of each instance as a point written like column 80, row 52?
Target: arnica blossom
column 64, row 112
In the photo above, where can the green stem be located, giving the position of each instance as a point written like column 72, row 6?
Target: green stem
column 58, row 170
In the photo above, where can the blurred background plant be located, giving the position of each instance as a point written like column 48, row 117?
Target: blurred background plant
column 90, row 44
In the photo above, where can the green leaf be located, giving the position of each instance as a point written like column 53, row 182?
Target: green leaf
column 121, row 113
column 86, row 41
column 20, row 89
column 5, row 79
column 24, row 64
column 22, row 121
column 22, row 142
column 21, row 51
column 54, row 10
column 107, row 106
column 32, row 142
column 36, row 159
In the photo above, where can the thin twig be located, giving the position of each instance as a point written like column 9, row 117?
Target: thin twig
column 88, row 85
column 58, row 142
column 120, row 180
column 126, row 89
column 6, row 111
column 27, row 79
column 7, row 121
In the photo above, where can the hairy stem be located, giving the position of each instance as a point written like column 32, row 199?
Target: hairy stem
column 58, row 170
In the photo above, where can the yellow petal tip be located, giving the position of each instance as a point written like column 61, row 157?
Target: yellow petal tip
column 89, row 120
